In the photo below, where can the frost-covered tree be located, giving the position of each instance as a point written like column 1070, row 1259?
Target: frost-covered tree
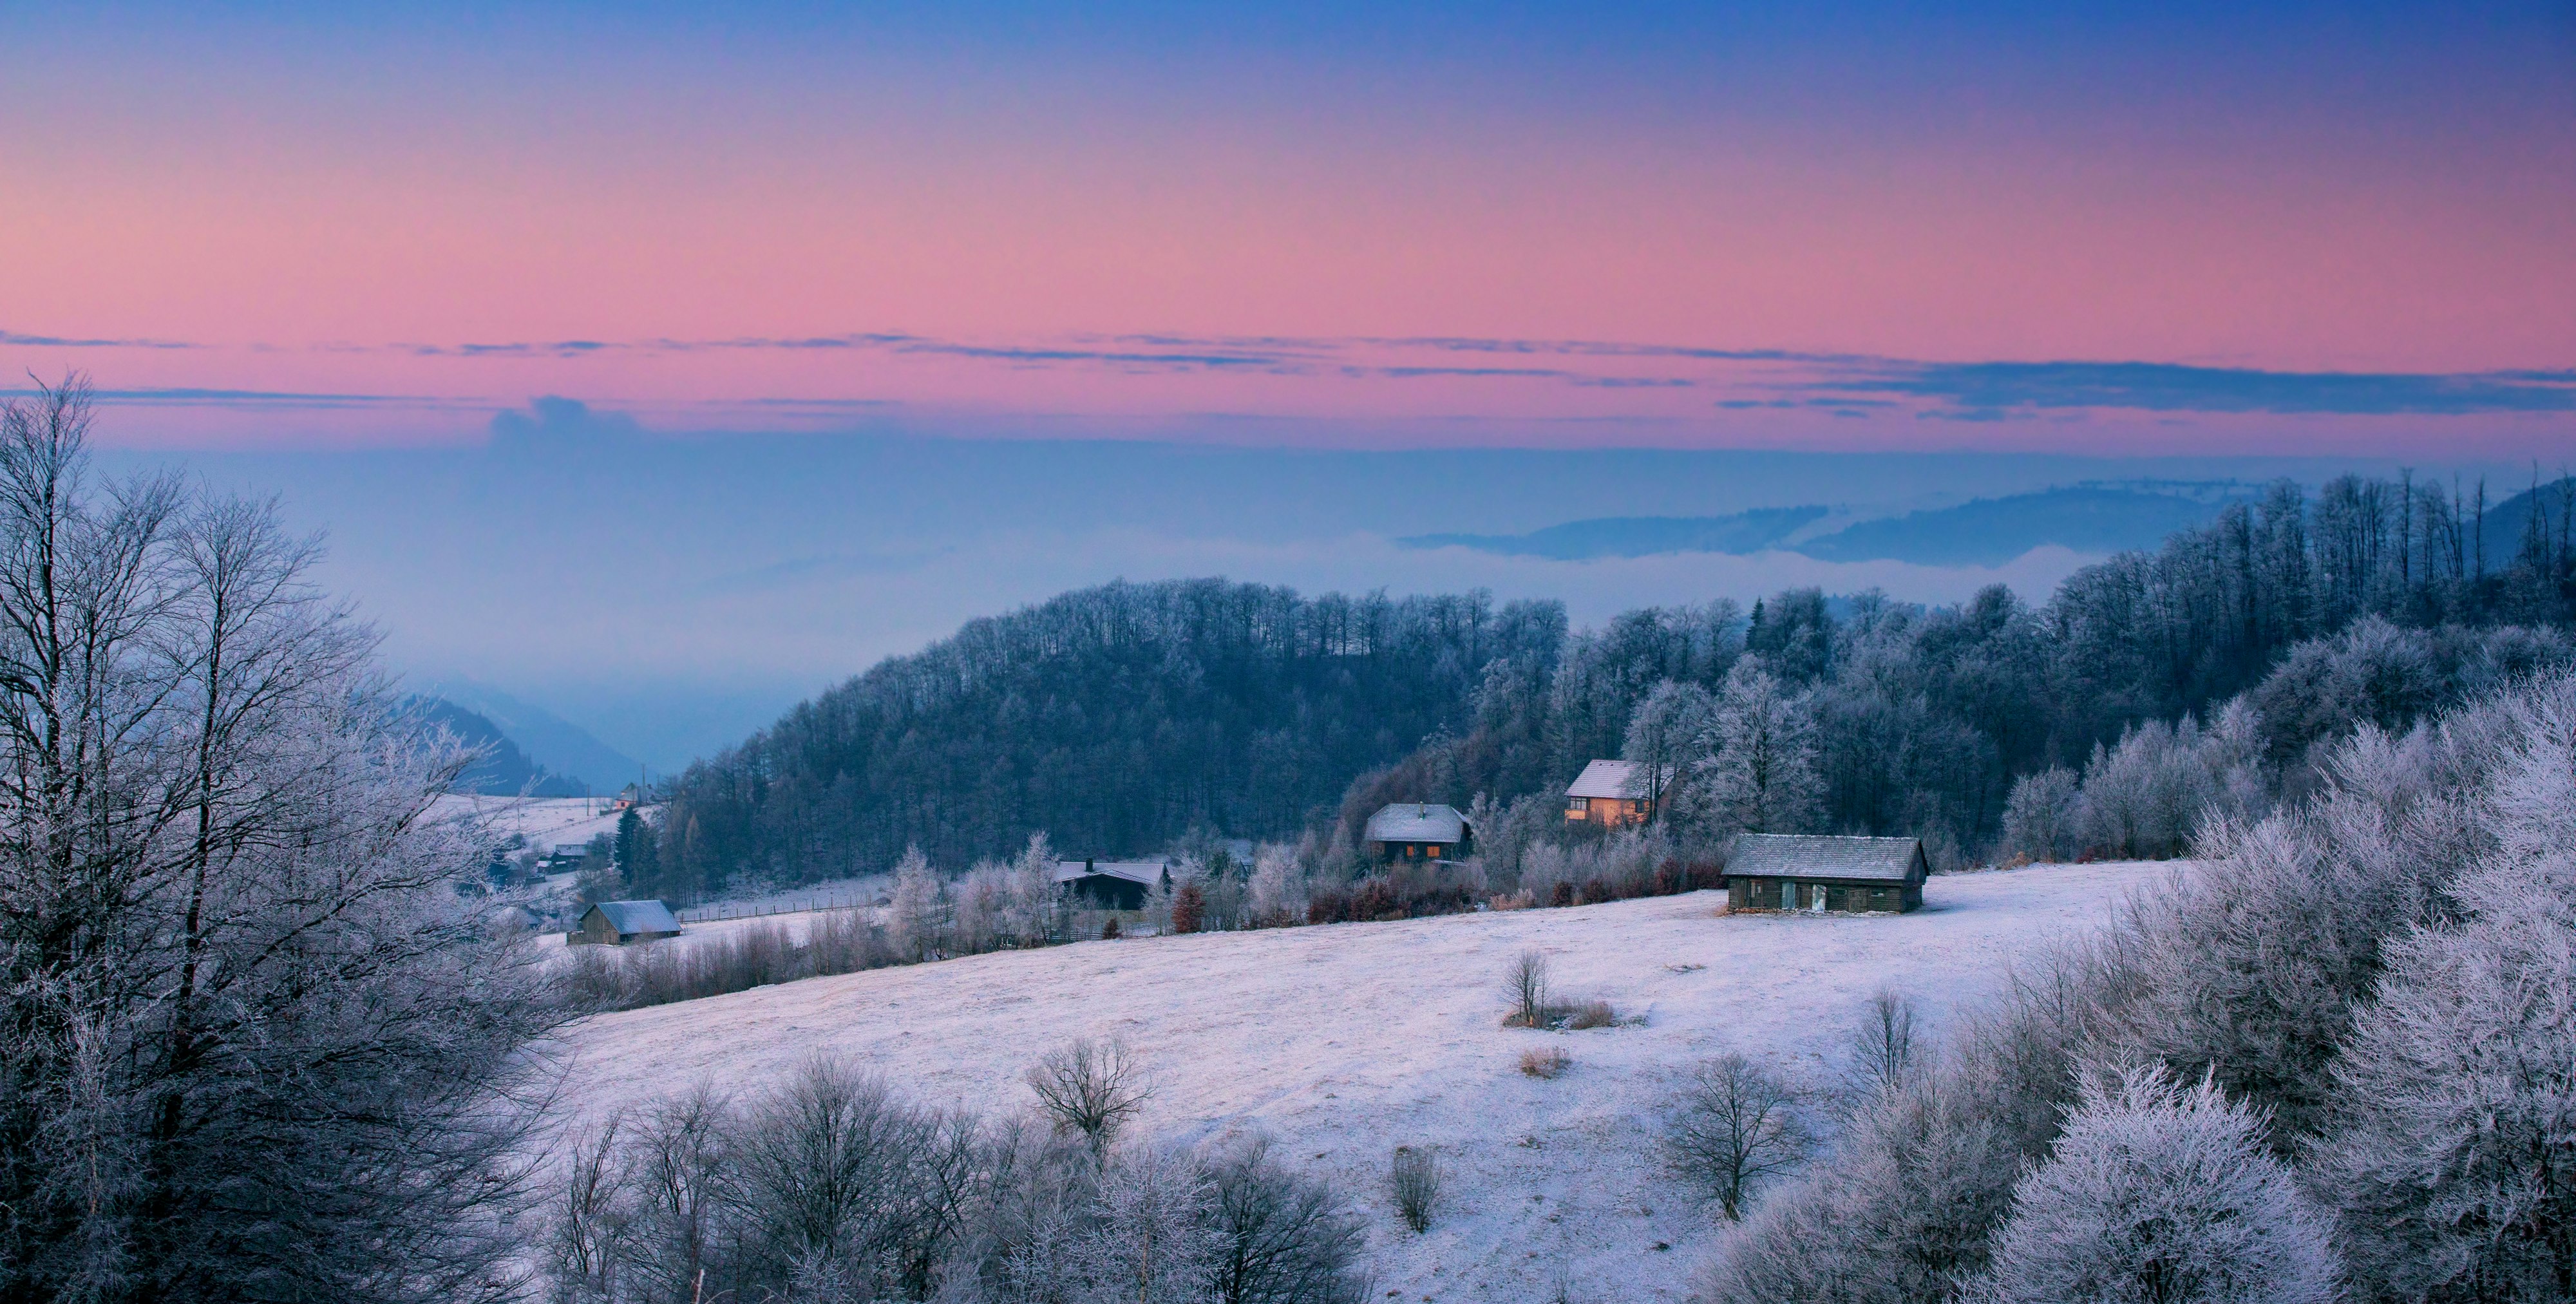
column 2040, row 816
column 252, row 1041
column 2452, row 1147
column 1759, row 771
column 1667, row 732
column 1151, row 1241
column 2163, row 1193
column 1278, row 887
column 915, row 918
column 1034, row 898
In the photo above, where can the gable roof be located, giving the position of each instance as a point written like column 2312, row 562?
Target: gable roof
column 638, row 917
column 1790, row 855
column 1147, row 872
column 1413, row 821
column 1608, row 779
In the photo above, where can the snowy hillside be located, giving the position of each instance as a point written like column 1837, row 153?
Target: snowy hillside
column 1346, row 1041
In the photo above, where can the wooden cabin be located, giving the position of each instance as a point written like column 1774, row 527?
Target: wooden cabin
column 1112, row 884
column 1779, row 871
column 1412, row 830
column 622, row 923
column 1611, row 794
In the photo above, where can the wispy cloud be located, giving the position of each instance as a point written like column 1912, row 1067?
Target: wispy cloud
column 76, row 342
column 1983, row 390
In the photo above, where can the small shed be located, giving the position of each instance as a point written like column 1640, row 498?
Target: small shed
column 1780, row 871
column 617, row 923
column 1612, row 794
column 1112, row 884
column 1412, row 830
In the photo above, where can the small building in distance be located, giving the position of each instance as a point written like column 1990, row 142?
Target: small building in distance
column 1612, row 794
column 1781, row 871
column 619, row 923
column 1412, row 830
column 1112, row 884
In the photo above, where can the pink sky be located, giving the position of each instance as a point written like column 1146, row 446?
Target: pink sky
column 326, row 236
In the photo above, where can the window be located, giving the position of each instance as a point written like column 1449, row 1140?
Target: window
column 1577, row 805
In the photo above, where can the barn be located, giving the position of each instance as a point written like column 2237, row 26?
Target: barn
column 1412, row 830
column 617, row 923
column 1112, row 884
column 1779, row 871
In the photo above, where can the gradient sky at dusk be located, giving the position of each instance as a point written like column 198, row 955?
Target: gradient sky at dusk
column 2182, row 228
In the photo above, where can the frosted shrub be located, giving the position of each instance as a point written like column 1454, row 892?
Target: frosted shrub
column 1414, row 1180
column 2159, row 1192
column 1280, row 1238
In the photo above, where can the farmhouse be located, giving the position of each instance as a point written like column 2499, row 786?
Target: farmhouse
column 1412, row 830
column 1775, row 871
column 617, row 923
column 1112, row 884
column 1612, row 794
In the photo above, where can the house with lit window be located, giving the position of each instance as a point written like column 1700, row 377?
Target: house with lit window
column 1611, row 794
column 1412, row 830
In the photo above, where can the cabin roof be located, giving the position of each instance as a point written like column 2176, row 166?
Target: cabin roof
column 1789, row 855
column 1146, row 872
column 1413, row 821
column 1608, row 779
column 637, row 916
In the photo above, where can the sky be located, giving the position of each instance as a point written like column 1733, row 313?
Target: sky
column 662, row 364
column 2168, row 228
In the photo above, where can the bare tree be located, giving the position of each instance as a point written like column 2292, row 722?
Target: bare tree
column 254, row 1035
column 1525, row 984
column 1737, row 1126
column 1091, row 1089
column 1883, row 1046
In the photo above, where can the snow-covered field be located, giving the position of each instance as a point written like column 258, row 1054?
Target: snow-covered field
column 546, row 822
column 1347, row 1041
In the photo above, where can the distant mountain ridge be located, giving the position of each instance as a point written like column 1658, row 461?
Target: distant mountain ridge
column 2086, row 518
column 549, row 740
column 1638, row 536
column 504, row 771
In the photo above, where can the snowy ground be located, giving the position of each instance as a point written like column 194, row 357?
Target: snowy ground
column 1346, row 1041
column 546, row 822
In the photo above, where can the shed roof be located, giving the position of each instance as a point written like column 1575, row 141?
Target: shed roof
column 1789, row 855
column 1608, row 779
column 1413, row 821
column 638, row 917
column 1147, row 872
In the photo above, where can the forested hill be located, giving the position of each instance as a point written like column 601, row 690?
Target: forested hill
column 1118, row 718
column 1114, row 718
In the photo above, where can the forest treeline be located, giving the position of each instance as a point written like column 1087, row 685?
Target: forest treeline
column 1117, row 719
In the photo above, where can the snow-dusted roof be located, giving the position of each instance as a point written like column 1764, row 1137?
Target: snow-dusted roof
column 1412, row 821
column 1790, row 855
column 1147, row 872
column 1608, row 779
column 638, row 917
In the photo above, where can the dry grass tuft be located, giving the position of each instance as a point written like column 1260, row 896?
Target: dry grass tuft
column 1545, row 1062
column 1592, row 1014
